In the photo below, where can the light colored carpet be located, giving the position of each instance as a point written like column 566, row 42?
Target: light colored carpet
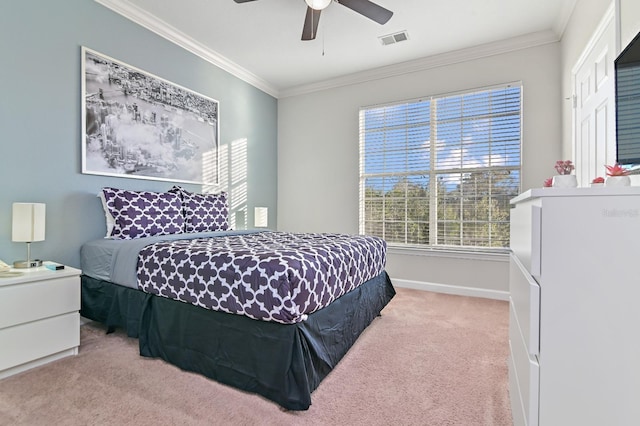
column 430, row 359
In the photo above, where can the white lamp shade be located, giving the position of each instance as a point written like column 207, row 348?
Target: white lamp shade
column 261, row 217
column 28, row 222
column 318, row 4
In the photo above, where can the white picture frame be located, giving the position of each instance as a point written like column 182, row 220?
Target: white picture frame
column 138, row 125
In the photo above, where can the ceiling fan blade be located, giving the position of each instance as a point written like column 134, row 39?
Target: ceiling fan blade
column 310, row 27
column 243, row 1
column 369, row 9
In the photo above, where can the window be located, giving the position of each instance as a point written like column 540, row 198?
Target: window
column 440, row 172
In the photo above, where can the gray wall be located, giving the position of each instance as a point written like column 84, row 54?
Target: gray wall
column 40, row 120
column 318, row 152
column 586, row 16
column 313, row 169
column 629, row 20
column 318, row 143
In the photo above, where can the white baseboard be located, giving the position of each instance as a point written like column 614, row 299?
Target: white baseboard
column 84, row 320
column 452, row 289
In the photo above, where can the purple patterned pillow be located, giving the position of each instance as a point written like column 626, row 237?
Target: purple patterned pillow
column 140, row 214
column 175, row 189
column 204, row 212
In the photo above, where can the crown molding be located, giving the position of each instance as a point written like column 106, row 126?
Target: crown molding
column 152, row 23
column 608, row 17
column 562, row 20
column 443, row 59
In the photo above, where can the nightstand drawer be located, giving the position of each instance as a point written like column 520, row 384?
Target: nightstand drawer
column 31, row 301
column 27, row 342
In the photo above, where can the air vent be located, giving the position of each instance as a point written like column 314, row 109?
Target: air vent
column 394, row 38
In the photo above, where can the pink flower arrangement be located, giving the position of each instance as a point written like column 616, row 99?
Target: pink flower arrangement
column 616, row 170
column 599, row 179
column 548, row 183
column 564, row 167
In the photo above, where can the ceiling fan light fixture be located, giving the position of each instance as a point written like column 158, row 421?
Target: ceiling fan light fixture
column 318, row 4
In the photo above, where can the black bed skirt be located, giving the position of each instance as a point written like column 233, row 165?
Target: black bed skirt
column 282, row 362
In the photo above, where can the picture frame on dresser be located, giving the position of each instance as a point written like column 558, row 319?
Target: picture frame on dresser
column 138, row 125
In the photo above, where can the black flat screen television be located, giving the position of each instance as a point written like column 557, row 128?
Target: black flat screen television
column 627, row 71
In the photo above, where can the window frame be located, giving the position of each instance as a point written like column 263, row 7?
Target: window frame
column 434, row 171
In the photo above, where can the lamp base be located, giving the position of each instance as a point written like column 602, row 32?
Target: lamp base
column 24, row 264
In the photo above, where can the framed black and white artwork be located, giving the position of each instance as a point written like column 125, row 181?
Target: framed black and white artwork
column 138, row 125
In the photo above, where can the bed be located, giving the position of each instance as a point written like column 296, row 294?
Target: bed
column 270, row 313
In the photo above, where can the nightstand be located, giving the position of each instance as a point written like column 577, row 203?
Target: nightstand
column 39, row 318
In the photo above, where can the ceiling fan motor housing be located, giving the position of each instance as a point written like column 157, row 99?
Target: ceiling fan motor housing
column 365, row 8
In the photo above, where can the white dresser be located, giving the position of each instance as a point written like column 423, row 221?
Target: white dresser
column 39, row 318
column 574, row 329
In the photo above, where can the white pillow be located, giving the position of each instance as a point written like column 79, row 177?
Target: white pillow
column 111, row 222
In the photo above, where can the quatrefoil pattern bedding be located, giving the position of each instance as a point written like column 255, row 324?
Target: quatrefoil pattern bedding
column 270, row 276
column 137, row 214
column 140, row 214
column 204, row 212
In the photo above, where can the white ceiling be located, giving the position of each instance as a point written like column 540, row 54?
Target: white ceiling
column 260, row 42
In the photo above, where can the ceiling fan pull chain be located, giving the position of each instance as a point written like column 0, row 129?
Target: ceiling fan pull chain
column 324, row 30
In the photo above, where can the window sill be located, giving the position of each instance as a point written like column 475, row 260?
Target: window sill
column 498, row 255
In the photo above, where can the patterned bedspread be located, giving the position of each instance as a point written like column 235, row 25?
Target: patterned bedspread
column 270, row 276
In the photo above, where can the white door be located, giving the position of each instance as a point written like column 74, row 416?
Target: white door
column 594, row 104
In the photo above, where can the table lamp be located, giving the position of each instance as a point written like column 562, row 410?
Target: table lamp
column 28, row 226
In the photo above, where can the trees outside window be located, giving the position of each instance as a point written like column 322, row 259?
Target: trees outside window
column 441, row 171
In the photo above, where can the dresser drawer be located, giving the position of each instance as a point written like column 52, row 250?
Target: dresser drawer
column 525, row 237
column 31, row 301
column 525, row 303
column 524, row 377
column 27, row 342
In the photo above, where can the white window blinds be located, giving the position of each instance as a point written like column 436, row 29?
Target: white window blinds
column 441, row 171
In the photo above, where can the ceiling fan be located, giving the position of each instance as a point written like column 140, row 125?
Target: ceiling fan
column 314, row 7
